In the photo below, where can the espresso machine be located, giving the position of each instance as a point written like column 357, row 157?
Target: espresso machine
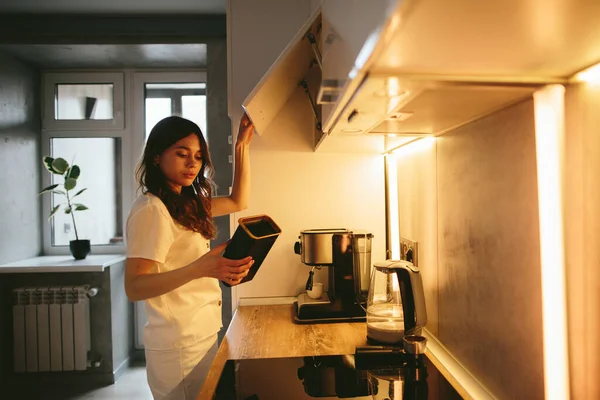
column 347, row 256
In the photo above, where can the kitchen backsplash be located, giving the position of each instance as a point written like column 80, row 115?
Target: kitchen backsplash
column 482, row 271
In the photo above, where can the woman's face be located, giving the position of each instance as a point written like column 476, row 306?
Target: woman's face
column 181, row 162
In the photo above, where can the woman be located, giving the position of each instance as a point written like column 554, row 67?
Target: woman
column 169, row 262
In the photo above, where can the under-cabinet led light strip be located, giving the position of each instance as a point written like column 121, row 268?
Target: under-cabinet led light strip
column 590, row 75
column 549, row 137
column 392, row 184
column 394, row 221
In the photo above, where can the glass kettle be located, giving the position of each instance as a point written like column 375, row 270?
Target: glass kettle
column 396, row 302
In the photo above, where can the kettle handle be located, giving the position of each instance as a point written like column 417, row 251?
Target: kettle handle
column 413, row 299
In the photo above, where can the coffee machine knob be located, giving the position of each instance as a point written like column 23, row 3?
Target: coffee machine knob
column 297, row 248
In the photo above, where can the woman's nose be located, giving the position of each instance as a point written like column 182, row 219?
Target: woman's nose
column 192, row 162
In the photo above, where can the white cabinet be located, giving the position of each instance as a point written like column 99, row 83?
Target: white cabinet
column 350, row 28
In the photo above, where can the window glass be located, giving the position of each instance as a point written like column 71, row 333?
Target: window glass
column 83, row 101
column 156, row 109
column 194, row 109
column 100, row 162
column 187, row 100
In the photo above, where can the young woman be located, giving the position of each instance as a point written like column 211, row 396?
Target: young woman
column 169, row 262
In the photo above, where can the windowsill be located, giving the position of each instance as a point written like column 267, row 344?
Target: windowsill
column 93, row 263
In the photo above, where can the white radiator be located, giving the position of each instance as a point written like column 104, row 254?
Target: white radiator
column 51, row 328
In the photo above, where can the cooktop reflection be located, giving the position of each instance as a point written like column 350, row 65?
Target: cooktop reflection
column 333, row 377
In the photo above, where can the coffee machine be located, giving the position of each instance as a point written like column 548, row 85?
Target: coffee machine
column 347, row 256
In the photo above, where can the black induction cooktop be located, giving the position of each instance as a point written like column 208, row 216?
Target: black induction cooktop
column 396, row 377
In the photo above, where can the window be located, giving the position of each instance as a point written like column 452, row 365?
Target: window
column 184, row 99
column 99, row 161
column 83, row 122
column 83, row 101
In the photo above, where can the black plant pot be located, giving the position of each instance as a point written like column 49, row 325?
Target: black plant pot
column 80, row 248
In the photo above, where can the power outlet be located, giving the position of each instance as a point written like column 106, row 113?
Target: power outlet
column 409, row 251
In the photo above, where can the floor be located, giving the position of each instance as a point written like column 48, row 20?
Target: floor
column 132, row 385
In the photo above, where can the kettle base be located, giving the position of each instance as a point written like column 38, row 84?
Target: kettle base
column 323, row 313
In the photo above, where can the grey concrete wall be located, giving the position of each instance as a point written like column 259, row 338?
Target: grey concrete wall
column 20, row 127
column 219, row 130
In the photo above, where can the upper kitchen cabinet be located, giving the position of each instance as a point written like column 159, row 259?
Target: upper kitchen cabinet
column 346, row 26
column 386, row 72
column 437, row 65
column 295, row 71
column 294, row 86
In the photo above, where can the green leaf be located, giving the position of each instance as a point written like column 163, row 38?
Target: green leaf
column 48, row 164
column 60, row 165
column 70, row 183
column 73, row 172
column 54, row 210
column 80, row 207
column 78, row 193
column 59, row 192
column 48, row 189
column 67, row 210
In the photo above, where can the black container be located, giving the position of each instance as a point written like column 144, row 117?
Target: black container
column 254, row 237
column 80, row 248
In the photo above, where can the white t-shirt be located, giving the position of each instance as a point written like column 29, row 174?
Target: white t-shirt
column 191, row 312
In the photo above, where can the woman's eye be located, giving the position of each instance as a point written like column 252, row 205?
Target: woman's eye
column 182, row 155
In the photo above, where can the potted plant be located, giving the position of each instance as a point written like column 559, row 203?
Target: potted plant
column 80, row 248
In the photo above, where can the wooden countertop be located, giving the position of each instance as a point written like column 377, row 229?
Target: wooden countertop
column 270, row 332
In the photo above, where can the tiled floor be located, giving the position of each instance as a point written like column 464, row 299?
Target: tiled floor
column 132, row 385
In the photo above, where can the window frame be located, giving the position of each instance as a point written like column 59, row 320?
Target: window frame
column 61, row 129
column 128, row 94
column 51, row 79
column 139, row 80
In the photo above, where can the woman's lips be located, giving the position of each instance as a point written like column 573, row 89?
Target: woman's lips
column 190, row 176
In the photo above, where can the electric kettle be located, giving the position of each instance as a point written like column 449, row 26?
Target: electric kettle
column 396, row 302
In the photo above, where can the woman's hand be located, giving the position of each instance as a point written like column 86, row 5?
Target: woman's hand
column 213, row 265
column 246, row 131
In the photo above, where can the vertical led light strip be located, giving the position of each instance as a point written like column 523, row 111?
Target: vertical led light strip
column 394, row 220
column 549, row 139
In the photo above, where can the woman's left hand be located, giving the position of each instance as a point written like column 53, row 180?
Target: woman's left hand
column 246, row 130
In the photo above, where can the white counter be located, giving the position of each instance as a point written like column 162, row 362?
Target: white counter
column 92, row 263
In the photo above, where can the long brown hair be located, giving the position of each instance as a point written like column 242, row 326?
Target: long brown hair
column 191, row 208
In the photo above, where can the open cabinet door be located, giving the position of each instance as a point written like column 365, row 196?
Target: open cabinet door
column 285, row 75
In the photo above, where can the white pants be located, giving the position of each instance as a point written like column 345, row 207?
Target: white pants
column 178, row 374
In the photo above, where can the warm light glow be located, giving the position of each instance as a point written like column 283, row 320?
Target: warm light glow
column 589, row 75
column 393, row 87
column 549, row 135
column 394, row 220
column 364, row 54
column 413, row 147
column 392, row 176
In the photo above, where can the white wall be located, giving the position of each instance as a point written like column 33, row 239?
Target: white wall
column 298, row 188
